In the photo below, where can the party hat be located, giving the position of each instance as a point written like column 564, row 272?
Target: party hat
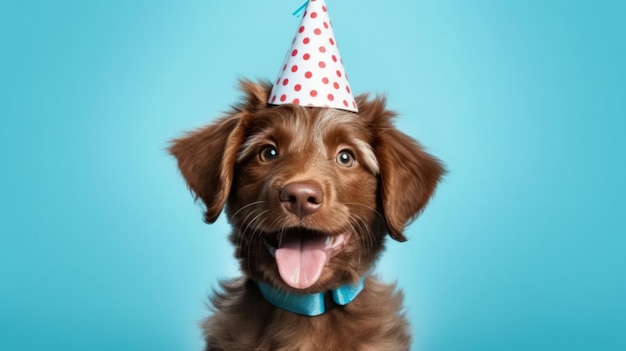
column 312, row 73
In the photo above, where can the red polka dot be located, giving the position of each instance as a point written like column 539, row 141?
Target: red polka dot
column 322, row 64
column 338, row 73
column 294, row 68
column 306, row 40
column 285, row 81
column 278, row 80
column 301, row 29
column 326, row 25
column 318, row 31
column 325, row 80
column 336, row 85
column 332, row 41
column 348, row 89
column 313, row 14
column 354, row 104
column 334, row 58
column 345, row 103
column 322, row 49
column 297, row 87
column 294, row 52
column 283, row 97
column 324, row 8
column 306, row 56
column 296, row 101
column 273, row 98
column 313, row 93
column 308, row 75
column 285, row 67
column 330, row 97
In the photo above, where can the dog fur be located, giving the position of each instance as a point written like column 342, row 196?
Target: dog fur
column 372, row 180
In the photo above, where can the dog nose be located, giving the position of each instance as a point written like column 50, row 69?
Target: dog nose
column 301, row 199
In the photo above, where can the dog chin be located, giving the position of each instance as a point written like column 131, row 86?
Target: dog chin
column 302, row 254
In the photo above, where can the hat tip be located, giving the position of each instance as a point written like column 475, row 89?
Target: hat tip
column 312, row 73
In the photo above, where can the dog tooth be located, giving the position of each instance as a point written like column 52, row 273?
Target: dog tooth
column 329, row 239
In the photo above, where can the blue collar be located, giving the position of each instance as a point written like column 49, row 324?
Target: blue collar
column 310, row 304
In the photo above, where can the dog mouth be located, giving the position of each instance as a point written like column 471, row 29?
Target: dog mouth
column 301, row 254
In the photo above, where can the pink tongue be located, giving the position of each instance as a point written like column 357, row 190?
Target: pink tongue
column 301, row 260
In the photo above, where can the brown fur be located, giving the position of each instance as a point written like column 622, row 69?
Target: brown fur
column 389, row 184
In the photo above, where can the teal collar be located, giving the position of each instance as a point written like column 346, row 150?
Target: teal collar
column 310, row 304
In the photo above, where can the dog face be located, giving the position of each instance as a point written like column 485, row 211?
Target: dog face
column 310, row 192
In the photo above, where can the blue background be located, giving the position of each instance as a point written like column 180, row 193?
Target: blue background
column 522, row 248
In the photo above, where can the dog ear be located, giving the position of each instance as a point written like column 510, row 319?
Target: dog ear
column 206, row 157
column 408, row 175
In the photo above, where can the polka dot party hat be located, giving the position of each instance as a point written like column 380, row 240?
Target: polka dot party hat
column 313, row 73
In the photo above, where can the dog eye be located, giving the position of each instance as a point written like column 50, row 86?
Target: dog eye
column 268, row 153
column 345, row 158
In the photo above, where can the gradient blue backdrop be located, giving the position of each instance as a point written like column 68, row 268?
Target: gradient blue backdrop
column 522, row 248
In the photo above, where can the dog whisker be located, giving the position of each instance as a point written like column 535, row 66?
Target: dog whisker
column 253, row 234
column 254, row 203
column 368, row 207
column 243, row 231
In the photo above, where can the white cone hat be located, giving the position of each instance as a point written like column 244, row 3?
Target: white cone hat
column 313, row 73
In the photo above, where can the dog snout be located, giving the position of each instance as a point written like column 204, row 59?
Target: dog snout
column 301, row 198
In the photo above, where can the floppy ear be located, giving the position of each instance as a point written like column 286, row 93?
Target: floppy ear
column 408, row 175
column 206, row 157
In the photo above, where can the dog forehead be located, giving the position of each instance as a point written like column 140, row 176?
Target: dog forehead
column 329, row 119
column 304, row 127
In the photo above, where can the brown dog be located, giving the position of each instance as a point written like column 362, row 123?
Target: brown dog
column 311, row 193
